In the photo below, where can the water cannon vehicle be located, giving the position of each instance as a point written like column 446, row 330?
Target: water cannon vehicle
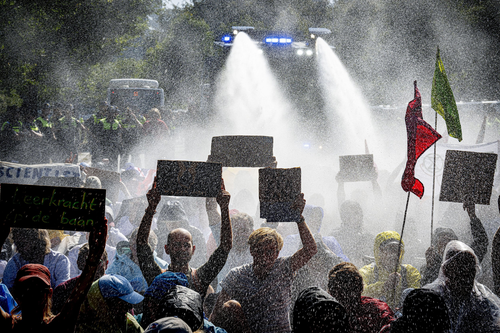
column 278, row 43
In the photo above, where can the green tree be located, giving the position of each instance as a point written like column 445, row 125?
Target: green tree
column 46, row 47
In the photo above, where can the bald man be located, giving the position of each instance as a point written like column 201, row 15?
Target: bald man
column 181, row 249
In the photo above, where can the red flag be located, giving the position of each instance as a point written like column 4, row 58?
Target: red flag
column 420, row 137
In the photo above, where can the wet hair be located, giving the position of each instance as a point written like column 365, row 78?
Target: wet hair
column 83, row 254
column 154, row 113
column 30, row 236
column 265, row 234
column 345, row 275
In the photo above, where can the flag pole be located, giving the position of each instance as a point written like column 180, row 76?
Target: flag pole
column 401, row 243
column 433, row 177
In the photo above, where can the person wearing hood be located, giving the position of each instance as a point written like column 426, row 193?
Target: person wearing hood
column 316, row 311
column 387, row 277
column 107, row 307
column 472, row 306
column 434, row 254
column 423, row 311
column 441, row 237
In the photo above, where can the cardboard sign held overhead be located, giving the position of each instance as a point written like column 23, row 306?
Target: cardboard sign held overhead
column 278, row 189
column 468, row 173
column 50, row 207
column 189, row 179
column 243, row 151
column 356, row 168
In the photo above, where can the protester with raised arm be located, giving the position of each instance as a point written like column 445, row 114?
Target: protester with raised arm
column 32, row 291
column 180, row 247
column 263, row 288
column 441, row 237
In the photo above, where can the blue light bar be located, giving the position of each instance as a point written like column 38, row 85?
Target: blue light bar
column 227, row 38
column 278, row 40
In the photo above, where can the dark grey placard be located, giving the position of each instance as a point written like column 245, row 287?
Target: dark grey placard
column 356, row 168
column 278, row 189
column 468, row 173
column 243, row 151
column 188, row 178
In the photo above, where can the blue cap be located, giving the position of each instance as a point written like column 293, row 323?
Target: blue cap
column 117, row 286
column 164, row 282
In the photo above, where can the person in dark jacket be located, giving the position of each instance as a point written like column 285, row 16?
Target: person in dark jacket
column 423, row 311
column 441, row 237
column 316, row 311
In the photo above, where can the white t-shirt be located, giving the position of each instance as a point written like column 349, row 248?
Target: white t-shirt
column 266, row 302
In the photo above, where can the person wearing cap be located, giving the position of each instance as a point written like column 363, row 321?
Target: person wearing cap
column 107, row 306
column 387, row 277
column 32, row 291
column 181, row 249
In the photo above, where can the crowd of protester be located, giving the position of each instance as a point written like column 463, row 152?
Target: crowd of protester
column 159, row 271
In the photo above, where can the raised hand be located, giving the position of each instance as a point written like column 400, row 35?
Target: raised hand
column 223, row 197
column 97, row 242
column 153, row 195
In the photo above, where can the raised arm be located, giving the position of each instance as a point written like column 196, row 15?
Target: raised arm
column 66, row 320
column 479, row 237
column 217, row 260
column 147, row 263
column 226, row 231
column 309, row 249
column 213, row 218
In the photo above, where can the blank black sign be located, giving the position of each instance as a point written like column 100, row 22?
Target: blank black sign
column 243, row 151
column 468, row 173
column 189, row 179
column 355, row 168
column 278, row 189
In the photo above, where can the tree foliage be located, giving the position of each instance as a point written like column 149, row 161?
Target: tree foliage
column 49, row 45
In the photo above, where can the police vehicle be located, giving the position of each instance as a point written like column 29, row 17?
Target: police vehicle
column 278, row 43
column 139, row 94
